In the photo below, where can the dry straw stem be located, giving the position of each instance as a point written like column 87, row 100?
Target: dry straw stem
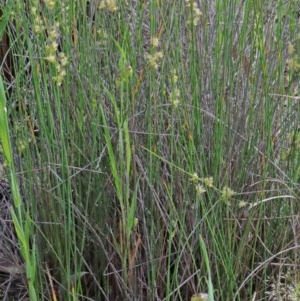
column 259, row 267
column 8, row 267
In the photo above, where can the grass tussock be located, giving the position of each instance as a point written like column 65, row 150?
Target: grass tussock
column 155, row 145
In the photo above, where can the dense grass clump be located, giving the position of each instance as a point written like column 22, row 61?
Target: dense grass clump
column 155, row 145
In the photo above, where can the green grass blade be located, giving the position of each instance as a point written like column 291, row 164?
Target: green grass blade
column 206, row 261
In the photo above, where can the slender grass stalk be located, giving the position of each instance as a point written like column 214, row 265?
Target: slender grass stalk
column 206, row 260
column 21, row 219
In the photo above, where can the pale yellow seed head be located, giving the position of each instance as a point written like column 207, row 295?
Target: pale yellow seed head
column 176, row 103
column 176, row 93
column 62, row 73
column 111, row 5
column 50, row 4
column 242, row 204
column 58, row 79
column 37, row 29
column 195, row 177
column 187, row 3
column 54, row 45
column 102, row 5
column 227, row 193
column 151, row 60
column 33, row 10
column 159, row 55
column 291, row 48
column 174, row 77
column 209, row 182
column 196, row 21
column 50, row 58
column 63, row 59
column 197, row 12
column 52, row 34
column 154, row 41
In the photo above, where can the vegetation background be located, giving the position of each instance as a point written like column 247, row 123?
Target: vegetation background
column 156, row 147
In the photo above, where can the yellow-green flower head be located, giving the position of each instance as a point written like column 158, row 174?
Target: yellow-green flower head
column 209, row 181
column 226, row 193
column 200, row 189
column 154, row 41
column 195, row 178
column 110, row 5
